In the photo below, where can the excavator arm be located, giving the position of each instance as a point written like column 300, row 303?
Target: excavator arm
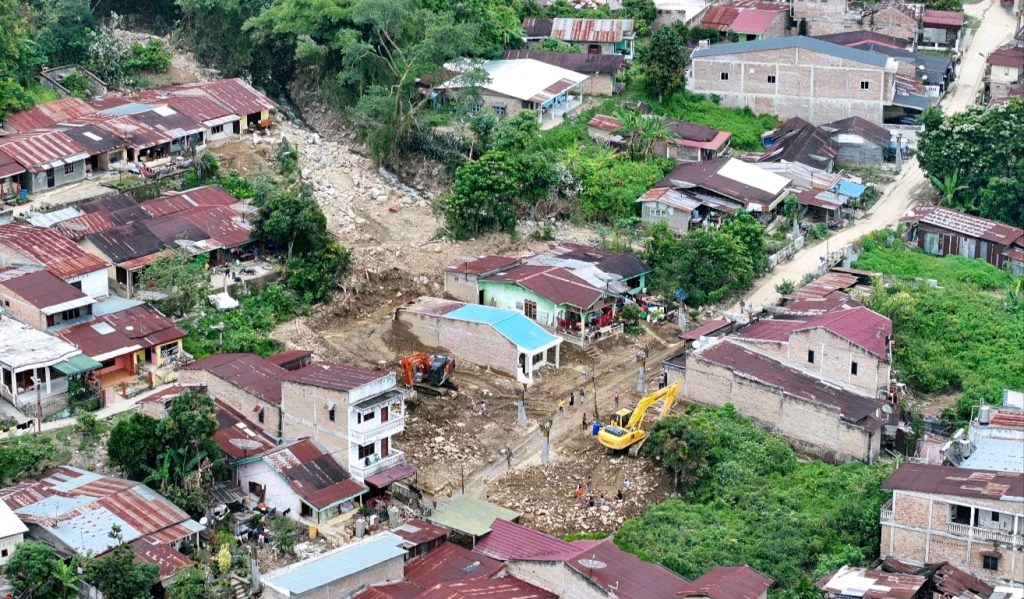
column 669, row 393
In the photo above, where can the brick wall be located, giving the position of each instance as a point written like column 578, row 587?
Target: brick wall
column 17, row 307
column 823, row 17
column 306, row 415
column 470, row 341
column 236, row 397
column 833, row 359
column 461, row 286
column 817, row 87
column 892, row 21
column 557, row 578
column 816, row 428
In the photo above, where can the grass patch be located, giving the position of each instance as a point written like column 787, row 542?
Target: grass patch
column 586, row 536
column 962, row 337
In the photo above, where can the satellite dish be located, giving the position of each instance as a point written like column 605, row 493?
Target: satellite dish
column 593, row 564
column 887, row 409
column 246, row 444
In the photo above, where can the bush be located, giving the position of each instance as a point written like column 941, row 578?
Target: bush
column 245, row 328
column 817, row 232
column 786, row 287
column 152, row 56
column 77, row 85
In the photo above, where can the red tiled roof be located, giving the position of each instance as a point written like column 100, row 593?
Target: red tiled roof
column 247, row 371
column 508, row 540
column 180, row 201
column 118, row 333
column 42, row 289
column 482, row 265
column 552, row 283
column 419, row 532
column 339, row 377
column 44, row 116
column 168, row 559
column 755, row 21
column 705, row 329
column 40, row 150
column 855, row 408
column 860, row 326
column 312, row 474
column 507, row 587
column 961, row 482
column 57, row 254
column 627, row 575
column 450, row 563
column 942, row 19
column 730, row 582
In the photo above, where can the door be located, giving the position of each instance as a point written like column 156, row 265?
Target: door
column 530, row 309
column 931, row 243
column 594, row 49
column 50, row 181
column 967, row 247
column 384, row 443
column 384, row 414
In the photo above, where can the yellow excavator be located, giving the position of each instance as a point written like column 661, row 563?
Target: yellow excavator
column 625, row 429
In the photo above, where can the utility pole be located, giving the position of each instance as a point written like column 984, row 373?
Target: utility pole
column 545, row 456
column 642, row 375
column 39, row 403
column 522, row 408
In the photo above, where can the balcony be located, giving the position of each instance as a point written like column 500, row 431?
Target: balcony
column 361, row 434
column 360, row 470
column 984, row 534
column 886, row 513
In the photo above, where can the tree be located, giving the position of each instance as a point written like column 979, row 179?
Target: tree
column 984, row 150
column 643, row 13
column 483, row 197
column 745, row 228
column 553, row 44
column 32, row 568
column 517, row 132
column 710, row 266
column 118, row 576
column 282, row 529
column 66, row 577
column 315, row 275
column 77, row 85
column 65, row 30
column 641, row 132
column 134, row 444
column 182, row 278
column 188, row 583
column 947, row 187
column 292, row 220
column 804, row 589
column 663, row 62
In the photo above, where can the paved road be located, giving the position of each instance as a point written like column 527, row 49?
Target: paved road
column 997, row 25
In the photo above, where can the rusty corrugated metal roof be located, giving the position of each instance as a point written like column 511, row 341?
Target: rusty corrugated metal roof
column 56, row 253
column 592, row 30
column 41, row 150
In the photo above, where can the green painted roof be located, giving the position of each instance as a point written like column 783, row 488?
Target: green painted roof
column 471, row 516
column 77, row 365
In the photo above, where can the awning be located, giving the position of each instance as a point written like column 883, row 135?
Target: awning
column 77, row 365
column 392, row 474
column 221, row 120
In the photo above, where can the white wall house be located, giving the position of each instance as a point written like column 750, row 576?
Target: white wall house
column 12, row 532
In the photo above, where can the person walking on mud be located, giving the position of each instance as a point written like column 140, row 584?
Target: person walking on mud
column 572, row 400
column 561, row 406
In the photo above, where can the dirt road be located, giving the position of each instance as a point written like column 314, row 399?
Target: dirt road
column 997, row 25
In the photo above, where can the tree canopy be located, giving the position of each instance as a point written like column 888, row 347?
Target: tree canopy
column 977, row 157
column 663, row 62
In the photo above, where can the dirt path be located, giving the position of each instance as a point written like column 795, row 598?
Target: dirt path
column 997, row 25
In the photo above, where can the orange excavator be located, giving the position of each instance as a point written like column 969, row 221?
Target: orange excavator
column 427, row 373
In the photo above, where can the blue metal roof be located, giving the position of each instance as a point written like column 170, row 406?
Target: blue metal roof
column 113, row 304
column 90, row 531
column 1006, row 455
column 849, row 188
column 804, row 43
column 128, row 109
column 514, row 326
column 335, row 565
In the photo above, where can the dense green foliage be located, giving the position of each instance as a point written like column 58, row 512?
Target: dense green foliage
column 26, row 455
column 177, row 454
column 36, row 570
column 745, row 126
column 710, row 265
column 964, row 336
column 246, row 328
column 663, row 62
column 181, row 278
column 748, row 500
column 981, row 152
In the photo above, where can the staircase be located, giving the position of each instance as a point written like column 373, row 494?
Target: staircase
column 239, row 588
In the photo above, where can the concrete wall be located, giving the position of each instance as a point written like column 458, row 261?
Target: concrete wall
column 816, row 87
column 461, row 286
column 557, row 578
column 511, row 297
column 833, row 357
column 8, row 545
column 918, row 534
column 817, row 428
column 38, row 181
column 278, row 492
column 306, row 415
column 859, row 154
column 512, row 105
column 677, row 220
column 1000, row 79
column 20, row 309
column 94, row 284
column 389, row 571
column 823, row 17
column 469, row 341
column 236, row 397
column 599, row 84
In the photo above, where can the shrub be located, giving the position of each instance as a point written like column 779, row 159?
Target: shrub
column 786, row 287
column 152, row 56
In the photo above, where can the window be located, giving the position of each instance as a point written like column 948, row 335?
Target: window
column 995, row 516
column 865, row 84
column 3, row 552
column 365, row 451
column 217, row 129
column 960, row 514
column 989, row 563
column 725, row 76
column 530, row 309
column 810, row 356
column 499, row 108
column 330, row 414
column 259, row 415
column 853, row 368
column 69, row 168
column 771, row 78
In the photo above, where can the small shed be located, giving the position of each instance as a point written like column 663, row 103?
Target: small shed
column 503, row 340
column 471, row 517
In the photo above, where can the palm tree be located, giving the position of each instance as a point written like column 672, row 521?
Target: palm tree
column 948, row 187
column 67, row 577
column 642, row 131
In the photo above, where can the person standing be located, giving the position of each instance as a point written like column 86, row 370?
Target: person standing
column 584, row 422
column 616, row 400
column 561, row 406
column 572, row 401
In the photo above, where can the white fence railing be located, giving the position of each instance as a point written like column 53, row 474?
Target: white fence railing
column 786, row 252
column 989, row 534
